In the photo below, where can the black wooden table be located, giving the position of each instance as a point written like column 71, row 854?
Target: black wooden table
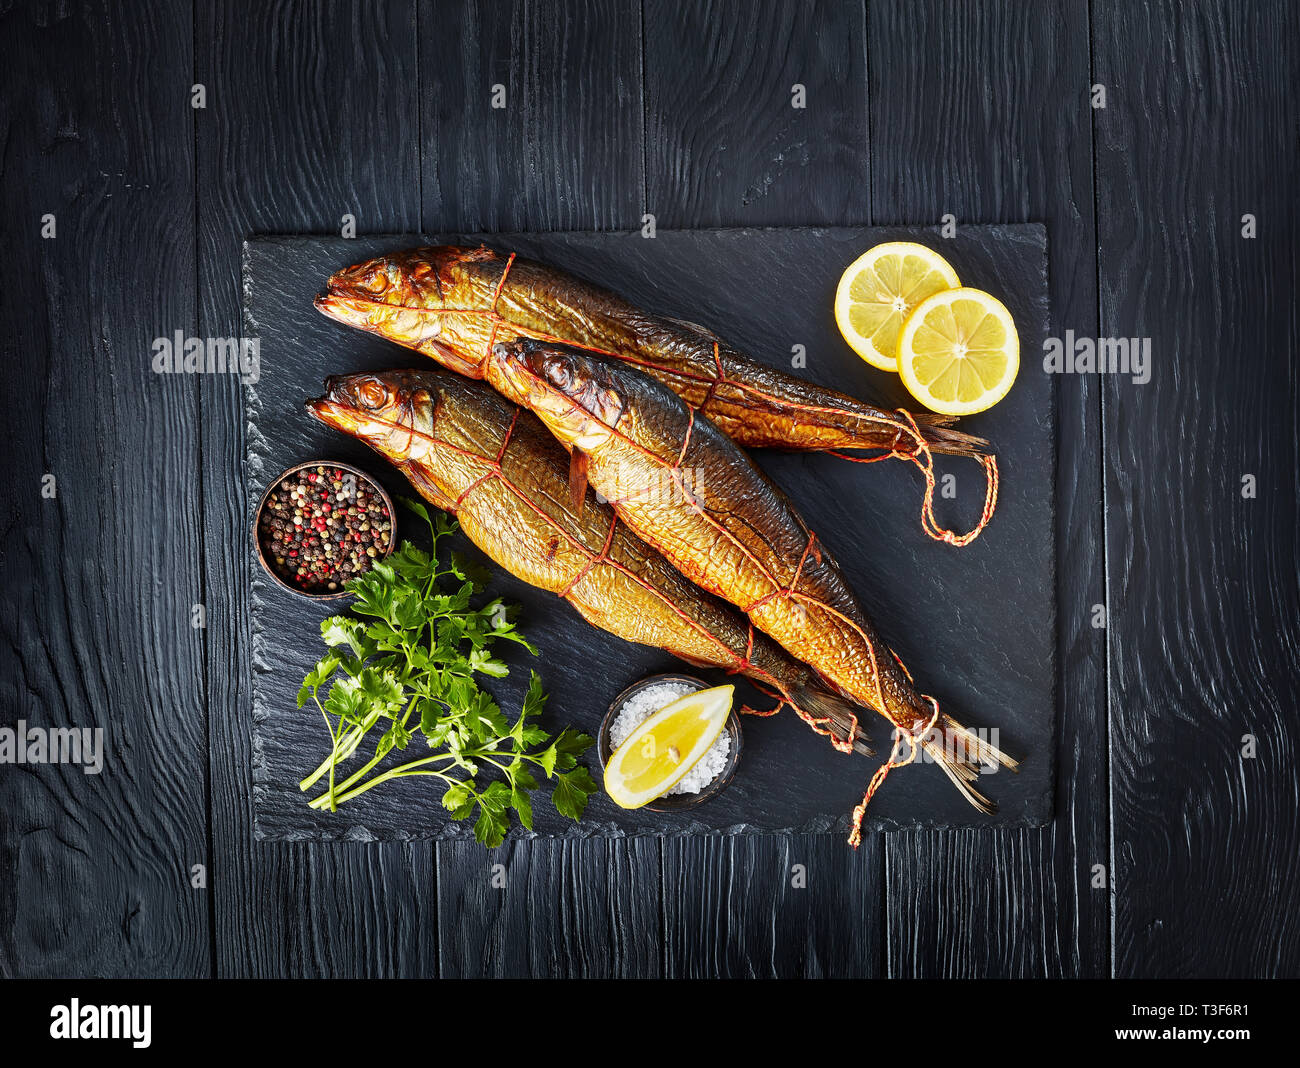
column 141, row 143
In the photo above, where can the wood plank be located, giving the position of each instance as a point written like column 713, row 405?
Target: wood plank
column 982, row 111
column 565, row 152
column 311, row 112
column 99, row 580
column 725, row 147
column 586, row 909
column 1199, row 131
column 726, row 144
column 347, row 910
column 776, row 906
column 563, row 149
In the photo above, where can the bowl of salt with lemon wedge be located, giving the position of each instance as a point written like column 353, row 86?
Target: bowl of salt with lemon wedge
column 669, row 742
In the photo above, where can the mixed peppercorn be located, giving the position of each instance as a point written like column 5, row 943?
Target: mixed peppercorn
column 323, row 525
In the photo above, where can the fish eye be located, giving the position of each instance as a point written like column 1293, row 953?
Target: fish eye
column 370, row 394
column 560, row 372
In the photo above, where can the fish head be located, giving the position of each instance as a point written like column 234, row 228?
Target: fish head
column 571, row 391
column 416, row 298
column 391, row 412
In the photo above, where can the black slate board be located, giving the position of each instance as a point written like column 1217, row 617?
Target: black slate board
column 976, row 626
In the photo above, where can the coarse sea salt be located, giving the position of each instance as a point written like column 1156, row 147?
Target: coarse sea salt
column 645, row 703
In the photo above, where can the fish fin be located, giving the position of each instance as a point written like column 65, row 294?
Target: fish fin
column 577, row 478
column 941, row 438
column 961, row 754
column 842, row 715
column 451, row 359
column 703, row 331
column 427, row 488
column 935, row 419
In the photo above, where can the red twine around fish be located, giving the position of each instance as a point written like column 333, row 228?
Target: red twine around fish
column 919, row 454
column 926, row 466
column 914, row 740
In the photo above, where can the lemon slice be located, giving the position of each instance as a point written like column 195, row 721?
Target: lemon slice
column 666, row 746
column 959, row 352
column 878, row 291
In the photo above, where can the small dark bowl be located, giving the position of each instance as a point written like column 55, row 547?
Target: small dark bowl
column 673, row 802
column 269, row 567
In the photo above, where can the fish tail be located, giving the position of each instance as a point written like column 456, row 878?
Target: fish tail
column 962, row 754
column 940, row 437
column 830, row 714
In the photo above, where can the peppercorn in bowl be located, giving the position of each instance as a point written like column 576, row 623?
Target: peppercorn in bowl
column 320, row 524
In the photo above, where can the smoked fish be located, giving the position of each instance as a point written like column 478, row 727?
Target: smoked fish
column 469, row 452
column 689, row 491
column 453, row 303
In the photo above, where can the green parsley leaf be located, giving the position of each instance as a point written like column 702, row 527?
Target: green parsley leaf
column 459, row 800
column 546, row 759
column 408, row 658
column 491, row 826
column 572, row 788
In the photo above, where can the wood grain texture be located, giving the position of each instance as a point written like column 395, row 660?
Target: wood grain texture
column 310, row 116
column 576, row 909
column 1200, row 121
column 981, row 111
column 98, row 581
column 564, row 153
column 725, row 143
column 777, row 906
column 383, row 111
column 724, row 147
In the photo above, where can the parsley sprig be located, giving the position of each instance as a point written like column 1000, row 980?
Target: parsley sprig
column 406, row 664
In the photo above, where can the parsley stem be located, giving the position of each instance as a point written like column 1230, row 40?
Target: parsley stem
column 333, row 760
column 361, row 772
column 420, row 648
column 344, row 747
column 392, row 773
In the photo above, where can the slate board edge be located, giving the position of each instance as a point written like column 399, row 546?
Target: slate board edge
column 1037, row 229
column 608, row 831
column 254, row 474
column 1034, row 233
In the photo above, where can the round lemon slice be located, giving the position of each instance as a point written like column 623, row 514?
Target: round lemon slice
column 877, row 292
column 959, row 352
column 666, row 746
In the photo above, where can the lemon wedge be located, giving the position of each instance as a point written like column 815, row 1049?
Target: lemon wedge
column 959, row 352
column 877, row 292
column 666, row 746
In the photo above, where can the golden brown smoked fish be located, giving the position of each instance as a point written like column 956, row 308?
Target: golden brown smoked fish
column 453, row 303
column 497, row 469
column 687, row 489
